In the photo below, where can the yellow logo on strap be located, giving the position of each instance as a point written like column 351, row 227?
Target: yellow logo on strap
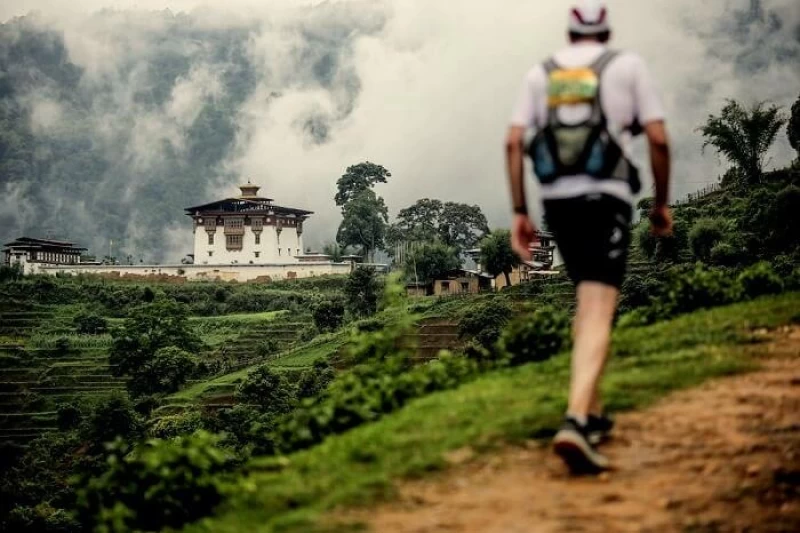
column 572, row 86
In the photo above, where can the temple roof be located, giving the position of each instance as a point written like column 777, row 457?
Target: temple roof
column 248, row 203
column 30, row 243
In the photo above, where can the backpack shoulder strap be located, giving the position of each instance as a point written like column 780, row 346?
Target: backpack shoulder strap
column 550, row 65
column 605, row 59
column 598, row 67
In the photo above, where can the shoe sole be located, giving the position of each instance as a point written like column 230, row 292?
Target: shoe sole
column 577, row 454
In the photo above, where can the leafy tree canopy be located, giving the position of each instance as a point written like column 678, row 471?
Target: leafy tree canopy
column 793, row 128
column 364, row 221
column 461, row 226
column 357, row 179
column 497, row 256
column 429, row 261
column 362, row 292
column 743, row 135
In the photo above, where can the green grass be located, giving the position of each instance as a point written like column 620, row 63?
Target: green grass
column 358, row 467
column 241, row 318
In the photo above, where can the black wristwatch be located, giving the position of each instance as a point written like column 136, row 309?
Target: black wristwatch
column 522, row 210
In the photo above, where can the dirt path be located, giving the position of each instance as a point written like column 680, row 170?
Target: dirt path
column 724, row 457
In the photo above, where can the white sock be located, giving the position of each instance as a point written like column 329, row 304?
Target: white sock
column 580, row 419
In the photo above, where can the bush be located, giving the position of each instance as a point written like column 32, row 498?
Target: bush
column 535, row 337
column 90, row 324
column 156, row 485
column 112, row 418
column 167, row 427
column 700, row 288
column 760, row 279
column 267, row 348
column 165, row 372
column 706, row 233
column 68, row 416
column 315, row 380
column 270, row 391
column 725, row 254
column 328, row 315
column 62, row 345
column 484, row 323
column 362, row 291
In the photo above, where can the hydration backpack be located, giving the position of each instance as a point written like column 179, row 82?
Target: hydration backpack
column 585, row 147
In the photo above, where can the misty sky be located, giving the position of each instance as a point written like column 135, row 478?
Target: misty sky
column 436, row 84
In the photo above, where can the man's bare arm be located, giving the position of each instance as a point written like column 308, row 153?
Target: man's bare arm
column 660, row 160
column 515, row 168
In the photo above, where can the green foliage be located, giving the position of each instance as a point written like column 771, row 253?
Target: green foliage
column 68, row 416
column 314, row 381
column 793, row 126
column 357, row 179
column 267, row 347
column 364, row 395
column 700, row 288
column 10, row 273
column 328, row 315
column 460, row 226
column 743, row 136
column 268, row 390
column 165, row 372
column 364, row 222
column 112, row 418
column 87, row 323
column 155, row 485
column 497, row 257
column 662, row 249
column 428, row 262
column 760, row 279
column 362, row 291
column 485, row 322
column 706, row 233
column 62, row 345
column 150, row 328
column 535, row 337
column 171, row 426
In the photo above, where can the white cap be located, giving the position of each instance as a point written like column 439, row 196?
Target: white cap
column 588, row 17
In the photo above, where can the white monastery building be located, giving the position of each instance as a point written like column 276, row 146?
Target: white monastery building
column 248, row 238
column 249, row 229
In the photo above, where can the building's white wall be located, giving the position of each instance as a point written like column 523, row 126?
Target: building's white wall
column 196, row 272
column 268, row 249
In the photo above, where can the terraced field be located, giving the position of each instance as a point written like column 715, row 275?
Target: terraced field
column 43, row 364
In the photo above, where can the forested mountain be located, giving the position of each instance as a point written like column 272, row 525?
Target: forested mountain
column 115, row 146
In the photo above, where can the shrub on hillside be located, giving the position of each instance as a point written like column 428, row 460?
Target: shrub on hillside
column 699, row 288
column 270, row 391
column 165, row 372
column 112, row 418
column 171, row 426
column 328, row 315
column 87, row 323
column 484, row 323
column 68, row 416
column 315, row 380
column 725, row 254
column 362, row 291
column 267, row 347
column 760, row 279
column 159, row 484
column 535, row 337
column 706, row 233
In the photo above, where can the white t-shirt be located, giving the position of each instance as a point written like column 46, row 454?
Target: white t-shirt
column 628, row 93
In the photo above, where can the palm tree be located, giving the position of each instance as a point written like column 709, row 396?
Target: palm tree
column 743, row 136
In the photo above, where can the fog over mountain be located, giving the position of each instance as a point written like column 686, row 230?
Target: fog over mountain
column 114, row 116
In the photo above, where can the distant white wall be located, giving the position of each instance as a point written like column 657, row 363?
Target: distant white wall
column 270, row 249
column 240, row 272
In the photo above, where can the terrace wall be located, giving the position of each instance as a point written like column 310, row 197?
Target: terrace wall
column 241, row 273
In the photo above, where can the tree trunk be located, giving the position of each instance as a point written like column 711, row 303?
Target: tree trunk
column 508, row 278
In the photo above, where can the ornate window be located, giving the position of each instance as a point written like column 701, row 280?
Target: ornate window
column 258, row 238
column 233, row 242
column 257, row 223
column 210, row 239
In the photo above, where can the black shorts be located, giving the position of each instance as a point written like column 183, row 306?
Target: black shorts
column 593, row 236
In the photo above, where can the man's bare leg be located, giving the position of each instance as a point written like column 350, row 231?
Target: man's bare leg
column 597, row 303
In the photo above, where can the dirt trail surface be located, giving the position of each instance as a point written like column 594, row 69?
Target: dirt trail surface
column 724, row 457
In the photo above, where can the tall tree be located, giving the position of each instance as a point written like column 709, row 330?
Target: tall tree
column 357, row 179
column 497, row 256
column 362, row 291
column 364, row 221
column 793, row 129
column 462, row 226
column 458, row 225
column 429, row 261
column 743, row 136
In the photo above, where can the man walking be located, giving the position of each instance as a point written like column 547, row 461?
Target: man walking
column 585, row 104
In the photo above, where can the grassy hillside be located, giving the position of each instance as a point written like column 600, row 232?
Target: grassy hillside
column 513, row 405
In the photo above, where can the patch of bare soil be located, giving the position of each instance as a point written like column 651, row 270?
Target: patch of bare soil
column 723, row 457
